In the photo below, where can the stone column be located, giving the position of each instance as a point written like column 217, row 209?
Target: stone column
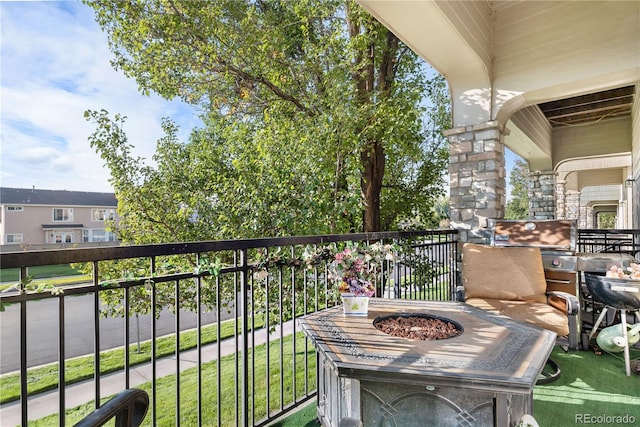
column 572, row 204
column 560, row 199
column 541, row 195
column 477, row 174
column 585, row 220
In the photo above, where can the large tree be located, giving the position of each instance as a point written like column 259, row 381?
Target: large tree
column 314, row 120
column 518, row 205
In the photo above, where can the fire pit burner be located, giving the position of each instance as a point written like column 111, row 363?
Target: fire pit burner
column 417, row 326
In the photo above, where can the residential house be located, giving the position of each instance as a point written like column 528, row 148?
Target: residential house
column 30, row 216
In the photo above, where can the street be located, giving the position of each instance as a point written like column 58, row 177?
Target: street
column 42, row 330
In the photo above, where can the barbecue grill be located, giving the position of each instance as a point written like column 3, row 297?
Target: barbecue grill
column 616, row 294
column 563, row 266
column 619, row 294
column 557, row 242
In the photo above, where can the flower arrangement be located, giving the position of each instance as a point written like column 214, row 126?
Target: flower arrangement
column 356, row 269
column 353, row 272
column 632, row 272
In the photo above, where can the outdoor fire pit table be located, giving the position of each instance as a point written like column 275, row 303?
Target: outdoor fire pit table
column 484, row 376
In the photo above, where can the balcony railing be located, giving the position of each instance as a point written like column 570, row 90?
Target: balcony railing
column 596, row 240
column 263, row 369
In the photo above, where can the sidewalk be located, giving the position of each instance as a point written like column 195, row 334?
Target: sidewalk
column 77, row 394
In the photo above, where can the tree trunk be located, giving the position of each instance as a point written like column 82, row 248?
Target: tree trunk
column 373, row 161
column 369, row 87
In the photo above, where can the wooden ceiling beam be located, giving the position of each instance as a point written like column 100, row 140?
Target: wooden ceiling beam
column 595, row 108
column 589, row 108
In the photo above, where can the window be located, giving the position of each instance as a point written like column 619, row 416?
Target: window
column 102, row 214
column 13, row 238
column 62, row 237
column 15, row 208
column 97, row 235
column 62, row 214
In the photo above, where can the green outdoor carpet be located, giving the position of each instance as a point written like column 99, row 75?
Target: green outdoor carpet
column 592, row 389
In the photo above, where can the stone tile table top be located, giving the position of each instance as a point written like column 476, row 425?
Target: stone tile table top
column 493, row 353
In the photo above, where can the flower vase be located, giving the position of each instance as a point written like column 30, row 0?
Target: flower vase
column 355, row 305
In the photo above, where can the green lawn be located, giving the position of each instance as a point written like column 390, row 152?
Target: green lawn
column 44, row 378
column 41, row 272
column 230, row 389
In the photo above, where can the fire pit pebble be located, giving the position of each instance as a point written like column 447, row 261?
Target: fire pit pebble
column 418, row 327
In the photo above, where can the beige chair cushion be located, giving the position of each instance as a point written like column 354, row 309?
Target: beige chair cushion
column 503, row 273
column 541, row 315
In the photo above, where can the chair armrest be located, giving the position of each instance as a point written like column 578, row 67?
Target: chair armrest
column 572, row 305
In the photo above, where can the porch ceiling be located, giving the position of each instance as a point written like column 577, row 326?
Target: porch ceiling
column 589, row 108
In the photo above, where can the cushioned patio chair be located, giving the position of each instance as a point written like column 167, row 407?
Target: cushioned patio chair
column 510, row 281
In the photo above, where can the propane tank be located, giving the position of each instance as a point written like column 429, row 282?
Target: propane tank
column 611, row 338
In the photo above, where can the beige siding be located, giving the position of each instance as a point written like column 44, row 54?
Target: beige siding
column 473, row 20
column 606, row 137
column 635, row 136
column 526, row 42
column 635, row 131
column 29, row 222
column 536, row 148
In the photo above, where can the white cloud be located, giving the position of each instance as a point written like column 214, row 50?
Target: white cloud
column 55, row 65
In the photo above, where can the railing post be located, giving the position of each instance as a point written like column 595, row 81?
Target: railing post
column 61, row 363
column 245, row 339
column 23, row 348
column 96, row 335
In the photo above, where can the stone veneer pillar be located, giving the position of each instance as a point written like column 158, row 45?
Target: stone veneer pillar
column 542, row 202
column 560, row 199
column 586, row 217
column 572, row 204
column 477, row 178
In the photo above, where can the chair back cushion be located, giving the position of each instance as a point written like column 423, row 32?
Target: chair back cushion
column 505, row 273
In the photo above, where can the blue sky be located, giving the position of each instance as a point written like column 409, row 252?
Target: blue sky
column 54, row 66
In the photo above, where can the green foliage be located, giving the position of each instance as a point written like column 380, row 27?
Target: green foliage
column 437, row 217
column 606, row 220
column 27, row 285
column 315, row 119
column 518, row 206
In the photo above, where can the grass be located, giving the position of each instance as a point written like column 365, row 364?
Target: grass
column 40, row 272
column 56, row 275
column 430, row 292
column 230, row 388
column 44, row 378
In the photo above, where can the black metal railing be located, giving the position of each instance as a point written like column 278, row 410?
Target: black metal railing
column 261, row 369
column 609, row 241
column 127, row 409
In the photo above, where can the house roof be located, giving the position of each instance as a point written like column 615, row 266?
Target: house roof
column 61, row 226
column 31, row 196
